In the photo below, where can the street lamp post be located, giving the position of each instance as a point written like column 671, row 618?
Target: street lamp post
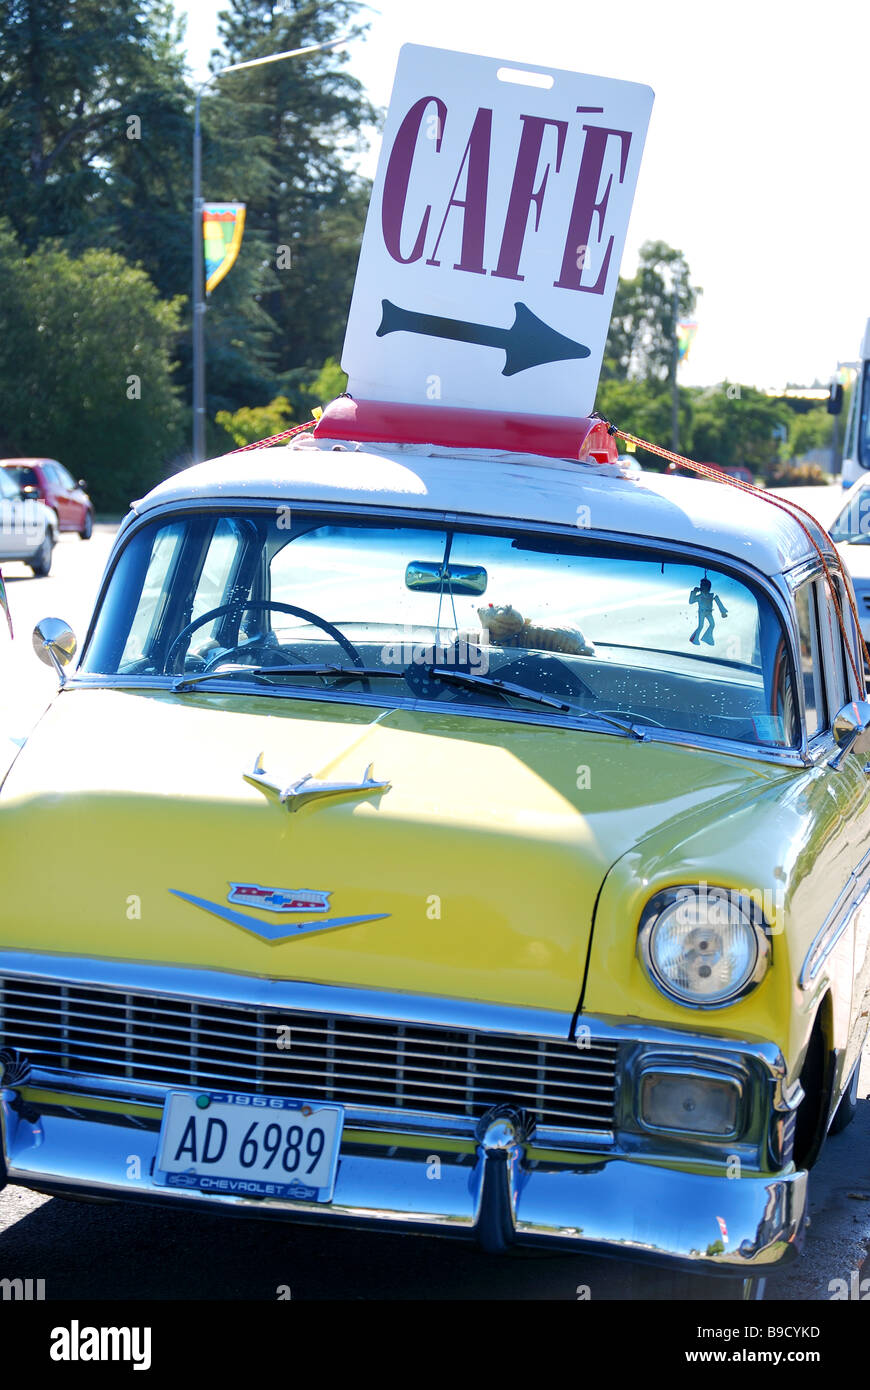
column 198, row 275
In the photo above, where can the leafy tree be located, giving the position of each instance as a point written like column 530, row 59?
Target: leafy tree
column 643, row 408
column 85, row 355
column 302, row 119
column 811, row 430
column 737, row 425
column 250, row 423
column 71, row 71
column 640, row 343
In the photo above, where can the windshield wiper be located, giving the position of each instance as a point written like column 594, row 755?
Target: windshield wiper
column 507, row 688
column 219, row 673
column 471, row 682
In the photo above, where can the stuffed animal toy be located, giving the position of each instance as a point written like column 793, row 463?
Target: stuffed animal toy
column 507, row 628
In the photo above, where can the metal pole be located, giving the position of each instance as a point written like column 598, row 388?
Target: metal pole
column 675, row 398
column 198, row 272
column 198, row 296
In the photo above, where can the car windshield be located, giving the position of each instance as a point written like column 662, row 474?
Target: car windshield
column 21, row 476
column 853, row 522
column 417, row 609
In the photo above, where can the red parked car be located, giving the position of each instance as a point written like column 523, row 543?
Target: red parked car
column 57, row 489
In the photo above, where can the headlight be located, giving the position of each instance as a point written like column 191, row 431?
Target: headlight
column 703, row 946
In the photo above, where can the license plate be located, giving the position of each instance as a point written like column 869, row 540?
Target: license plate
column 249, row 1146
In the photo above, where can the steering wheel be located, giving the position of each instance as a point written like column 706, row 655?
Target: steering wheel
column 261, row 605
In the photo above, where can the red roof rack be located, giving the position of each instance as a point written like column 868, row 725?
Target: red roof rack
column 389, row 422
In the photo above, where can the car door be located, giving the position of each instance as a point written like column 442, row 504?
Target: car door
column 64, row 503
column 74, row 499
column 841, row 679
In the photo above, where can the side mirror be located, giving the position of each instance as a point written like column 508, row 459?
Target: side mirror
column 55, row 644
column 82, row 484
column 851, row 731
column 835, row 399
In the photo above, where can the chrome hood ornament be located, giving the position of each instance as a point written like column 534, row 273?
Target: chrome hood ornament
column 309, row 787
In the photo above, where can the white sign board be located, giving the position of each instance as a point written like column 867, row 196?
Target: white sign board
column 494, row 235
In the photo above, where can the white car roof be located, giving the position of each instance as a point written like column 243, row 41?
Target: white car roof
column 602, row 498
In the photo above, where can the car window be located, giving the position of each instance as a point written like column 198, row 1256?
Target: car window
column 22, row 477
column 8, row 486
column 613, row 629
column 153, row 594
column 67, row 481
column 812, row 670
column 852, row 524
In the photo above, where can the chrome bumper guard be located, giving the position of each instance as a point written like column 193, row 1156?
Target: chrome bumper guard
column 606, row 1204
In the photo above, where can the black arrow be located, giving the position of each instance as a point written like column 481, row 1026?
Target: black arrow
column 527, row 343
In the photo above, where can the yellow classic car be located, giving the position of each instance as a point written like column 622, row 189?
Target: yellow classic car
column 462, row 841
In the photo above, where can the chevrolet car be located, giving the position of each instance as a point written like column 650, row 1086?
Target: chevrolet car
column 415, row 799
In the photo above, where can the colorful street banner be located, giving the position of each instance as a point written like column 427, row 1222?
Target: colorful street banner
column 4, row 604
column 686, row 330
column 222, row 228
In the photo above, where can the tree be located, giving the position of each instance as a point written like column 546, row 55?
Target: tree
column 737, row 425
column 86, row 356
column 251, row 423
column 640, row 344
column 643, row 408
column 71, row 72
column 301, row 119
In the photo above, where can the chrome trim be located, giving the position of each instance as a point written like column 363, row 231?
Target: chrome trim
column 660, row 1064
column 337, row 1055
column 195, row 983
column 616, row 1206
column 775, row 587
column 649, row 919
column 309, row 788
column 410, row 1124
column 850, row 899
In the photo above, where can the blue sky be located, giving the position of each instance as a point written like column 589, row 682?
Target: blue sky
column 755, row 163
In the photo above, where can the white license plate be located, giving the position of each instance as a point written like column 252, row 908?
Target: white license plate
column 249, row 1146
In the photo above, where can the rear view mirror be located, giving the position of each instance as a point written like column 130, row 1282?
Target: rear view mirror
column 835, row 399
column 431, row 577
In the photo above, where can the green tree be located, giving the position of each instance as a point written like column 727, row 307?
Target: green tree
column 640, row 343
column 737, row 425
column 86, row 357
column 250, row 423
column 71, row 73
column 643, row 408
column 302, row 120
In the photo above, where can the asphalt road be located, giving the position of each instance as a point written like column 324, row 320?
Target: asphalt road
column 122, row 1251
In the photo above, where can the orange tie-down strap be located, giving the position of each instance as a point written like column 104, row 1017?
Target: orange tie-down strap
column 791, row 508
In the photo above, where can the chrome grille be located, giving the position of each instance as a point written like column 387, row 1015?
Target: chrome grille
column 357, row 1062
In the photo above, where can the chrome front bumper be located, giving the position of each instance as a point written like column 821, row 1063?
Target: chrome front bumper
column 603, row 1204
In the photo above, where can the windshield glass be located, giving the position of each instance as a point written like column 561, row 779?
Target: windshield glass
column 853, row 522
column 606, row 630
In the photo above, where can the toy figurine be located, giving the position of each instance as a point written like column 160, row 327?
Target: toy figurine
column 703, row 595
column 507, row 628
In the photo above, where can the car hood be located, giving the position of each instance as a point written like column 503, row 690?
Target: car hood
column 126, row 820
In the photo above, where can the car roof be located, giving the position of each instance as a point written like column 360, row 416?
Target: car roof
column 25, row 463
column 601, row 498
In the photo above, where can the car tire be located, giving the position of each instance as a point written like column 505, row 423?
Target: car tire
column 40, row 563
column 848, row 1107
column 88, row 529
